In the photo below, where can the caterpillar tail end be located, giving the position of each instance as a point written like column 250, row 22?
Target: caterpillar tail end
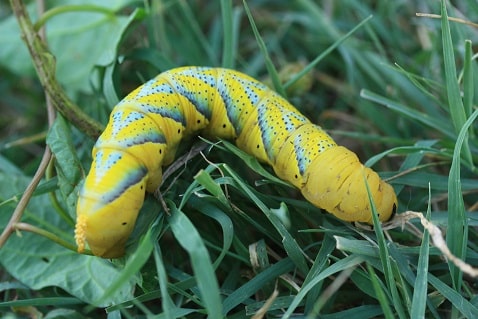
column 346, row 196
column 80, row 233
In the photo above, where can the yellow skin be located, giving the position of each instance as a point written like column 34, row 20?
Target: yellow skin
column 146, row 127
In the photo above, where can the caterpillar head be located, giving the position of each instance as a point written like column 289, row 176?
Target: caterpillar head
column 336, row 181
column 108, row 206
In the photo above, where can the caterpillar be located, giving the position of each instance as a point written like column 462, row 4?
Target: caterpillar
column 145, row 128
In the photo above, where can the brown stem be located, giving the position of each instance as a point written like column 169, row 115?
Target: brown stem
column 22, row 204
column 45, row 65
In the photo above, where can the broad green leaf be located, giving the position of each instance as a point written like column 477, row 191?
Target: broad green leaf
column 39, row 262
column 73, row 38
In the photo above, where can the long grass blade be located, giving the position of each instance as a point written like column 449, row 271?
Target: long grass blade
column 419, row 300
column 191, row 241
column 457, row 232
column 274, row 75
column 347, row 262
column 382, row 296
column 386, row 260
column 455, row 103
column 468, row 309
column 326, row 52
column 228, row 50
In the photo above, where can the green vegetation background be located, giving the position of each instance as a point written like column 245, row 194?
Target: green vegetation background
column 238, row 242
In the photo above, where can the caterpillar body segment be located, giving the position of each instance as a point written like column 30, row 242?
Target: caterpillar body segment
column 146, row 127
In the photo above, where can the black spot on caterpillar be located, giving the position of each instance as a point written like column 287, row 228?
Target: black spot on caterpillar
column 146, row 127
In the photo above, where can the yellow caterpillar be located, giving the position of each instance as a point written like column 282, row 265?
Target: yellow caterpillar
column 146, row 127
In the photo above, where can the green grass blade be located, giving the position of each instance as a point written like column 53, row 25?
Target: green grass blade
column 222, row 219
column 274, row 75
column 430, row 121
column 228, row 50
column 157, row 24
column 360, row 312
column 253, row 285
column 189, row 238
column 386, row 260
column 455, row 103
column 457, row 232
column 413, row 159
column 56, row 302
column 253, row 163
column 419, row 299
column 204, row 178
column 468, row 81
column 166, row 301
column 419, row 82
column 457, row 110
column 324, row 53
column 421, row 148
column 347, row 262
column 332, row 288
column 193, row 24
column 468, row 309
column 321, row 261
column 382, row 296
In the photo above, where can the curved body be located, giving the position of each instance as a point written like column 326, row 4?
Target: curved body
column 146, row 127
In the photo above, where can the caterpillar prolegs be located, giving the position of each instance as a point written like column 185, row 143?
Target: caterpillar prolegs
column 146, row 127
